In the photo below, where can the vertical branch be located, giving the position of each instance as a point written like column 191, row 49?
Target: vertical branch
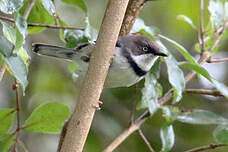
column 79, row 124
column 202, row 43
column 132, row 12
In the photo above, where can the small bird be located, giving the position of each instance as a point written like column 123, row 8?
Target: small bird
column 133, row 57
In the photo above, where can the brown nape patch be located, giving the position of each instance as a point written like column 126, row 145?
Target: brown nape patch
column 85, row 58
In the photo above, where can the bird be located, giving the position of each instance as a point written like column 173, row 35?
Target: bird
column 133, row 57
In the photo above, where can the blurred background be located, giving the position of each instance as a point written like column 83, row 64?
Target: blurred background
column 50, row 80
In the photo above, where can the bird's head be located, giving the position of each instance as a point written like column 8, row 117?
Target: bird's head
column 142, row 50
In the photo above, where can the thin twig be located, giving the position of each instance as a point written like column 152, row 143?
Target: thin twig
column 143, row 117
column 43, row 25
column 17, row 131
column 216, row 60
column 202, row 43
column 16, row 85
column 28, row 9
column 145, row 140
column 219, row 37
column 207, row 147
column 203, row 91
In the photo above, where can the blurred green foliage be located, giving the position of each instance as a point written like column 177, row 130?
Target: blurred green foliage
column 50, row 80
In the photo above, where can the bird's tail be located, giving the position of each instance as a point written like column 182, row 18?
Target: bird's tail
column 53, row 51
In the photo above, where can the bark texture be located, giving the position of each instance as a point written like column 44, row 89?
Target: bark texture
column 133, row 9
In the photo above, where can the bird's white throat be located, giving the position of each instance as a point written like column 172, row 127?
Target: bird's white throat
column 145, row 61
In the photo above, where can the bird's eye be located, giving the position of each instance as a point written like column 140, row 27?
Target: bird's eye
column 145, row 49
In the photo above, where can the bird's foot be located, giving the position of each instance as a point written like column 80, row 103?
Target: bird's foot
column 97, row 106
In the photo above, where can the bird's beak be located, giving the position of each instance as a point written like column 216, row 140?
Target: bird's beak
column 160, row 54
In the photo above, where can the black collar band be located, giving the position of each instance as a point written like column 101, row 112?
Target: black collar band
column 138, row 71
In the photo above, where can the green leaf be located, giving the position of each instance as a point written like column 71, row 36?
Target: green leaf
column 187, row 20
column 10, row 6
column 200, row 70
column 197, row 68
column 21, row 31
column 24, row 56
column 181, row 49
column 10, row 33
column 74, row 37
column 61, row 31
column 48, row 118
column 39, row 15
column 0, row 59
column 218, row 13
column 221, row 87
column 144, row 32
column 139, row 26
column 221, row 134
column 202, row 117
column 192, row 116
column 176, row 78
column 6, row 120
column 6, row 47
column 78, row 3
column 49, row 6
column 170, row 113
column 6, row 142
column 167, row 137
column 18, row 69
column 152, row 89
